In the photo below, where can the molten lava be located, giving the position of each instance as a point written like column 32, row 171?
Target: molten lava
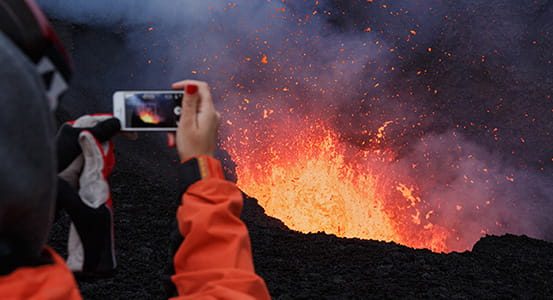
column 148, row 116
column 313, row 181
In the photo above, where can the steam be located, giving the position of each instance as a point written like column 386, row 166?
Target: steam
column 112, row 13
column 466, row 84
column 474, row 191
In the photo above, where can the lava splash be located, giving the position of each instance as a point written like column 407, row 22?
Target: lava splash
column 313, row 181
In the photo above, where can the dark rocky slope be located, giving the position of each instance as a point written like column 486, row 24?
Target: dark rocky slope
column 304, row 266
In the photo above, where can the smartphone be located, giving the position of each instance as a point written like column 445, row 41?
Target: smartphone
column 147, row 110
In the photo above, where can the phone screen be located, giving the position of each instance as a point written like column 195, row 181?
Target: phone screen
column 152, row 110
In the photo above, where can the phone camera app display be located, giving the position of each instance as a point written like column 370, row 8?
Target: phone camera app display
column 152, row 110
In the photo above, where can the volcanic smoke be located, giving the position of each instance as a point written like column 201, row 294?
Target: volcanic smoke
column 386, row 120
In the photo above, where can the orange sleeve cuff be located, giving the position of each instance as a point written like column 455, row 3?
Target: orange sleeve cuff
column 199, row 168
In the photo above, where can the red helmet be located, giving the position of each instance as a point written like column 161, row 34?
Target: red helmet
column 26, row 25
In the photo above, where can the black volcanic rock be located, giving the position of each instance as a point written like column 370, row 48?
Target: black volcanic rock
column 321, row 266
column 303, row 266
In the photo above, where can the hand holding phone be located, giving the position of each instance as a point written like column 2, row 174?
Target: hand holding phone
column 199, row 121
column 188, row 110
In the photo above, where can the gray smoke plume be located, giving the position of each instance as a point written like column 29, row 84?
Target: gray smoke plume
column 466, row 84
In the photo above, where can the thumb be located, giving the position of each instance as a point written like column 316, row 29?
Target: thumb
column 189, row 111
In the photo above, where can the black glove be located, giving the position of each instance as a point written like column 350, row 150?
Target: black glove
column 67, row 138
column 85, row 160
column 95, row 233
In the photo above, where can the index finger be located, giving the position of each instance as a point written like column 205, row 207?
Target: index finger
column 206, row 101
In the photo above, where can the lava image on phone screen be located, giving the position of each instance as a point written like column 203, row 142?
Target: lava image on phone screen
column 152, row 110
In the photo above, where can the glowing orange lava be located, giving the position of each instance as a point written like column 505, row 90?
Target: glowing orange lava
column 147, row 116
column 313, row 182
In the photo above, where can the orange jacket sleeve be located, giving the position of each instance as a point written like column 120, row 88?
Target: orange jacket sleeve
column 53, row 282
column 215, row 260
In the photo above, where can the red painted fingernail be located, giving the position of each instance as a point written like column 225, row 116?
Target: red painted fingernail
column 191, row 89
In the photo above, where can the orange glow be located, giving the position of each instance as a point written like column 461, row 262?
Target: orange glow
column 148, row 116
column 313, row 182
column 264, row 59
